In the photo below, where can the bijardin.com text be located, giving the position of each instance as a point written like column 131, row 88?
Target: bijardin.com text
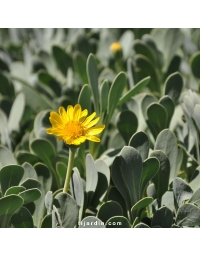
column 99, row 223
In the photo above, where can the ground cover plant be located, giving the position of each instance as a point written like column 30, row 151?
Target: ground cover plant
column 99, row 128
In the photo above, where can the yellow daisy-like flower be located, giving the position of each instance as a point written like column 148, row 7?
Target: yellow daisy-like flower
column 73, row 126
column 116, row 50
column 115, row 47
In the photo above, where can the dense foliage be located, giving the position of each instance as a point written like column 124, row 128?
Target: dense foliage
column 145, row 172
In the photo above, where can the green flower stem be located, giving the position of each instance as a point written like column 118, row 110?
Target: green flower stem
column 119, row 66
column 72, row 152
column 94, row 149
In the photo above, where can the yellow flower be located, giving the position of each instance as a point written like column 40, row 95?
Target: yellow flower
column 73, row 126
column 116, row 50
column 115, row 47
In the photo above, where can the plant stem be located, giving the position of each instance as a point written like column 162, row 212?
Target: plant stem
column 93, row 150
column 72, row 152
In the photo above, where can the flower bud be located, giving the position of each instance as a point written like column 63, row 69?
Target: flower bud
column 116, row 50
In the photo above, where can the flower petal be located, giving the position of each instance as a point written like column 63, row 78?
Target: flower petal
column 83, row 115
column 49, row 131
column 54, row 122
column 63, row 114
column 70, row 112
column 88, row 119
column 92, row 123
column 56, row 117
column 93, row 138
column 68, row 140
column 57, row 132
column 79, row 140
column 95, row 130
column 77, row 112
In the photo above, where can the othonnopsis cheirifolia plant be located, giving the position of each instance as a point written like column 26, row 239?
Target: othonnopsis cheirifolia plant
column 143, row 84
column 74, row 127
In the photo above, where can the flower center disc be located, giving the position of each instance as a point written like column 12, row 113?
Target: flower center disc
column 74, row 129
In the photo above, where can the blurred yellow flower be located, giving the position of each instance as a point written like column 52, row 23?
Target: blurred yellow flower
column 115, row 47
column 116, row 50
column 73, row 126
